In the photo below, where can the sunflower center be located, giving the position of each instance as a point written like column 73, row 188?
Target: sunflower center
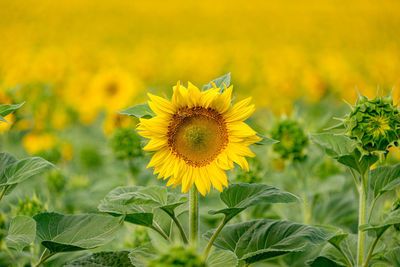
column 112, row 88
column 197, row 135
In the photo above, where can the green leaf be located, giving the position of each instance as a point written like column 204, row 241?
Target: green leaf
column 21, row 233
column 139, row 111
column 334, row 145
column 389, row 220
column 384, row 179
column 61, row 233
column 258, row 240
column 345, row 151
column 23, row 169
column 103, row 259
column 240, row 196
column 222, row 258
column 393, row 256
column 7, row 109
column 265, row 140
column 5, row 160
column 141, row 255
column 323, row 261
column 219, row 82
column 137, row 203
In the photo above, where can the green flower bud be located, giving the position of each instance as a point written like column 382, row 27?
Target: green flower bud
column 29, row 207
column 292, row 139
column 90, row 157
column 374, row 123
column 139, row 237
column 125, row 143
column 178, row 256
column 56, row 181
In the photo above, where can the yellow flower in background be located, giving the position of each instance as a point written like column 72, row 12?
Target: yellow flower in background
column 35, row 142
column 4, row 127
column 198, row 135
column 113, row 89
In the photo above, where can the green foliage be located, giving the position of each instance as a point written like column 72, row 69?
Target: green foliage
column 222, row 258
column 292, row 139
column 139, row 111
column 62, row 233
column 374, row 124
column 265, row 141
column 125, row 143
column 384, row 179
column 104, row 259
column 178, row 257
column 29, row 206
column 239, row 197
column 21, row 232
column 258, row 240
column 7, row 109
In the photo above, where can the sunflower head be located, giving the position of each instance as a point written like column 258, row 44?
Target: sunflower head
column 374, row 123
column 178, row 257
column 292, row 139
column 197, row 135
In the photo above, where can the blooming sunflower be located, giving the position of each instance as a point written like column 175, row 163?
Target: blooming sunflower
column 197, row 136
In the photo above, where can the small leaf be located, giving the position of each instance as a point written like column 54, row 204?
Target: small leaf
column 5, row 160
column 7, row 109
column 139, row 111
column 266, row 141
column 137, row 203
column 23, row 169
column 222, row 258
column 384, row 179
column 334, row 145
column 240, row 196
column 258, row 240
column 219, row 83
column 389, row 220
column 393, row 256
column 21, row 233
column 61, row 233
column 103, row 259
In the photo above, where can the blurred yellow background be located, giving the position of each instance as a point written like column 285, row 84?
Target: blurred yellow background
column 83, row 57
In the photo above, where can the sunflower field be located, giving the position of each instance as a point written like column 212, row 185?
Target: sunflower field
column 199, row 133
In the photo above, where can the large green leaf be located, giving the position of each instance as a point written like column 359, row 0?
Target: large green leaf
column 21, row 233
column 258, row 240
column 5, row 160
column 103, row 259
column 240, row 196
column 393, row 257
column 60, row 233
column 219, row 82
column 384, row 178
column 7, row 109
column 20, row 170
column 139, row 111
column 324, row 261
column 137, row 203
column 222, row 258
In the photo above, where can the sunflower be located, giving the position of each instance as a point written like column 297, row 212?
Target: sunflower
column 198, row 135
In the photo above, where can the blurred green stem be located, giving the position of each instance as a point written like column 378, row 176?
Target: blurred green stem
column 362, row 218
column 193, row 215
column 214, row 236
column 3, row 191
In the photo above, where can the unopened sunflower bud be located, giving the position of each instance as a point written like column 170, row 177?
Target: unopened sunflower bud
column 29, row 207
column 374, row 124
column 125, row 143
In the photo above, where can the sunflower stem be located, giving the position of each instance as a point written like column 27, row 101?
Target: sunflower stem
column 362, row 219
column 193, row 215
